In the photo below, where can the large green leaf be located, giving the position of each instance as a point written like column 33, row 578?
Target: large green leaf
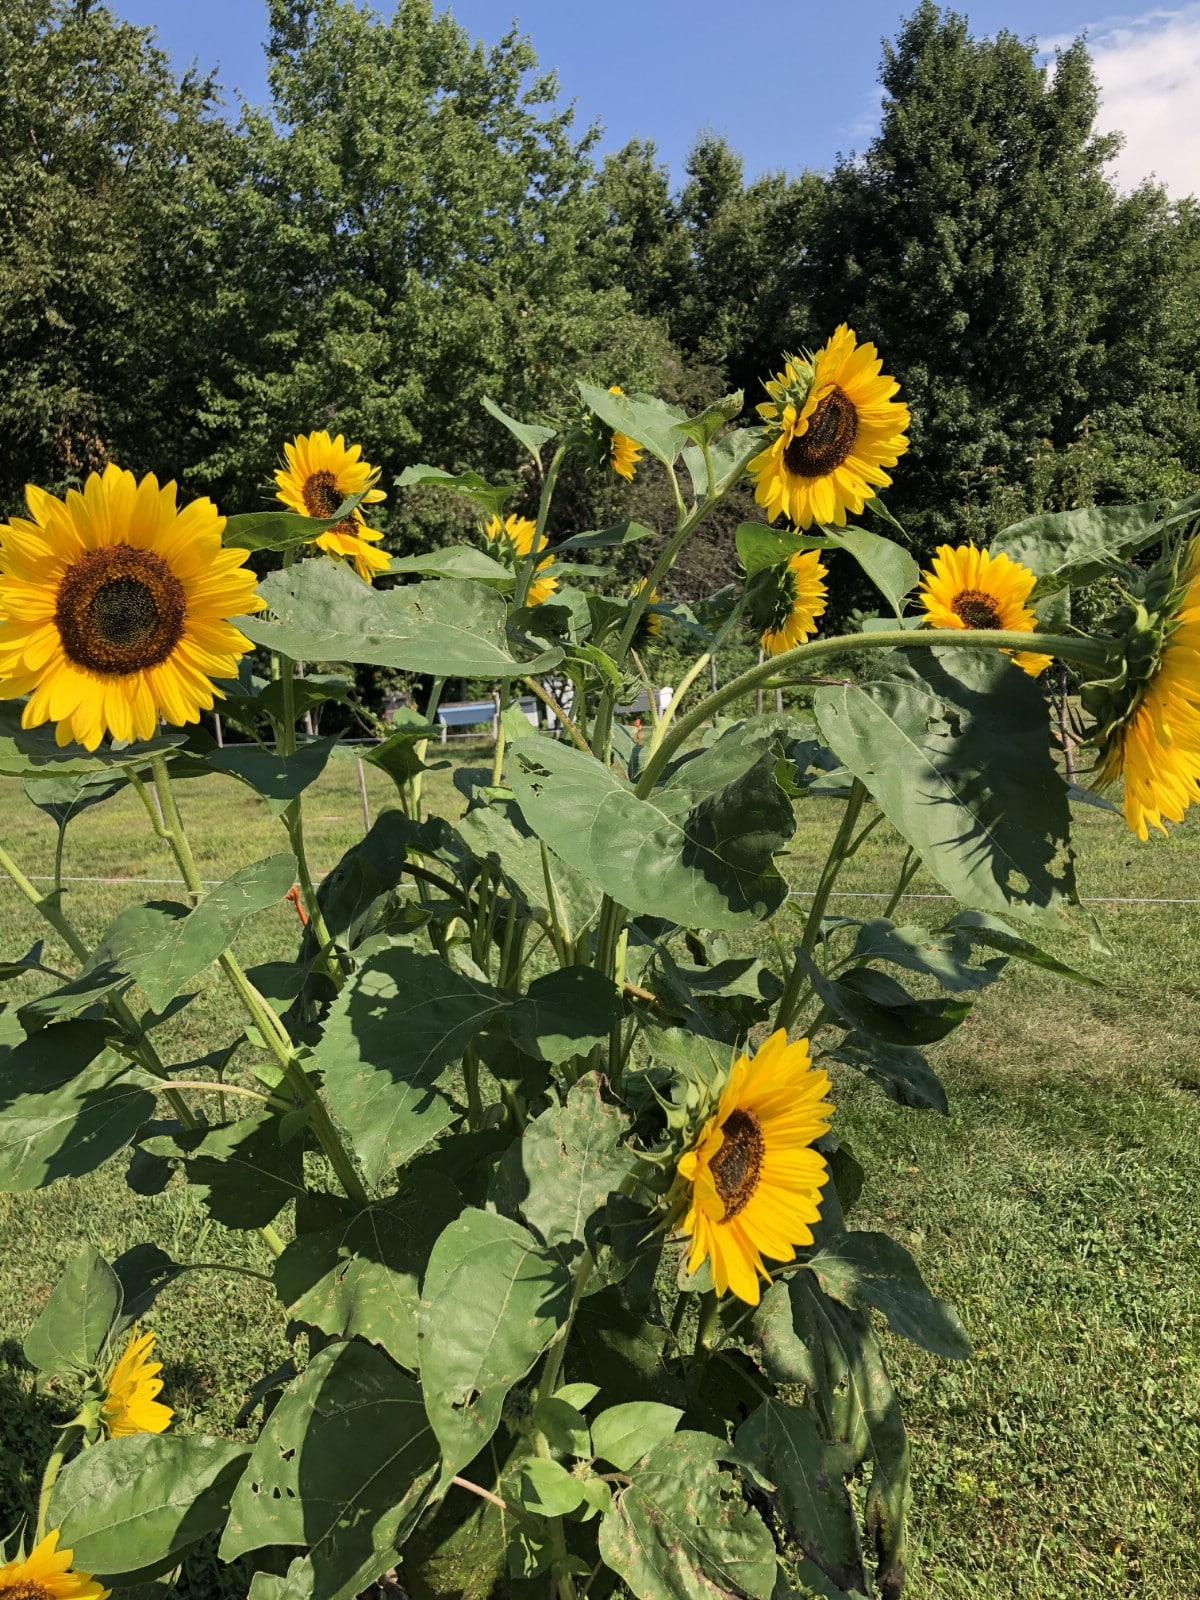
column 279, row 779
column 63, row 799
column 565, row 1013
column 340, row 1469
column 682, row 1531
column 887, row 564
column 700, row 851
column 875, row 1004
column 75, row 1322
column 565, row 1164
column 533, row 435
column 361, row 1278
column 498, row 832
column 760, row 547
column 246, row 1173
column 278, row 529
column 659, row 427
column 901, row 1070
column 954, row 745
column 870, row 1269
column 90, row 985
column 623, row 1434
column 490, row 498
column 138, row 1502
column 458, row 561
column 36, row 754
column 164, row 945
column 66, row 1105
column 492, row 1300
column 1067, row 549
column 446, row 626
column 809, row 1474
column 389, row 1034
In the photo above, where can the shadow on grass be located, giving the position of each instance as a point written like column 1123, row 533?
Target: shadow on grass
column 29, row 1423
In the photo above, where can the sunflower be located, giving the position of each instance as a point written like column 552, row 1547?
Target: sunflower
column 799, row 601
column 114, row 608
column 129, row 1404
column 45, row 1574
column 755, row 1180
column 322, row 472
column 832, row 426
column 514, row 538
column 970, row 588
column 1155, row 744
column 650, row 623
column 624, row 453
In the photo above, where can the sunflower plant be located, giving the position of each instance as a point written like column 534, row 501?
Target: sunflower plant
column 538, row 1128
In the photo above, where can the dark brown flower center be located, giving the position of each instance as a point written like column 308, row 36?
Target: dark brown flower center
column 737, row 1164
column 977, row 610
column 119, row 610
column 26, row 1589
column 832, row 430
column 321, row 494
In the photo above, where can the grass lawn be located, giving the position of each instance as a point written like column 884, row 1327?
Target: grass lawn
column 1056, row 1207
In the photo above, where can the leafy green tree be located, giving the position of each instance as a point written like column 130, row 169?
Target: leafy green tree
column 112, row 187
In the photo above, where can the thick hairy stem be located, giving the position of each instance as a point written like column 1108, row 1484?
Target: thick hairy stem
column 69, row 1437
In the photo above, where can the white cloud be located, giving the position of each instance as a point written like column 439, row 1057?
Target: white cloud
column 1148, row 68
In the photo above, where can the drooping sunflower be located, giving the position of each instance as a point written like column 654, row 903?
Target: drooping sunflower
column 650, row 624
column 832, row 426
column 755, row 1179
column 45, row 1574
column 624, row 453
column 513, row 538
column 115, row 607
column 322, row 472
column 1155, row 744
column 129, row 1404
column 970, row 588
column 799, row 600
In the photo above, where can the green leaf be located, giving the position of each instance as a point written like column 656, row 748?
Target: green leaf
column 565, row 1164
column 1067, row 549
column 138, row 1502
column 458, row 561
column 492, row 1300
column 875, row 1004
column 445, row 626
column 977, row 928
column 84, row 1306
column 700, row 852
column 565, row 1428
column 361, row 1278
column 90, row 985
column 902, row 1071
column 397, row 755
column 730, row 455
column 245, row 1173
column 870, row 1269
column 652, row 423
column 281, row 530
column 490, row 498
column 164, row 945
column 341, row 1469
column 279, row 779
column 36, row 754
column 66, row 1105
column 782, row 1443
column 498, row 832
column 954, row 745
column 620, row 533
column 533, row 435
column 63, row 799
column 547, row 1489
column 887, row 564
column 681, row 1530
column 937, row 955
column 624, row 1434
column 565, row 1013
column 143, row 1271
column 760, row 547
column 385, row 1096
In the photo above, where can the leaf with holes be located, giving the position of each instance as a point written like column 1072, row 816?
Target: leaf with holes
column 682, row 1531
column 870, row 1269
column 492, row 1300
column 341, row 1469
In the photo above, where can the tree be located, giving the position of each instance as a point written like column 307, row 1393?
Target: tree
column 114, row 177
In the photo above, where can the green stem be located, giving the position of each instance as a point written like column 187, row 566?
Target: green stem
column 1088, row 652
column 690, row 676
column 553, row 706
column 839, row 851
column 912, row 865
column 274, row 1035
column 419, row 749
column 706, row 1333
column 529, row 564
column 67, row 1440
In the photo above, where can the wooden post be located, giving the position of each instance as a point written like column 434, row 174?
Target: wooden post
column 1064, row 723
column 779, row 701
column 217, row 728
column 362, row 794
column 758, row 697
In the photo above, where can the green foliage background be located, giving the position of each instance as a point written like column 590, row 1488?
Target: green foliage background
column 412, row 225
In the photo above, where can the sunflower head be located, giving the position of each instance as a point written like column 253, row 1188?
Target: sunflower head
column 831, row 426
column 785, row 601
column 650, row 626
column 624, row 453
column 320, row 473
column 1148, row 710
column 45, row 1574
column 511, row 541
column 129, row 1403
column 970, row 588
column 115, row 608
column 752, row 1178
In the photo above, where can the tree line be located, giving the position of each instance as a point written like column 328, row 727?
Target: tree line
column 412, row 224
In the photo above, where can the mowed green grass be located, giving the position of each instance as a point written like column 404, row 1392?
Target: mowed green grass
column 1057, row 1206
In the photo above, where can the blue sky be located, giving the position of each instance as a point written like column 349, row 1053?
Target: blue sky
column 791, row 87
